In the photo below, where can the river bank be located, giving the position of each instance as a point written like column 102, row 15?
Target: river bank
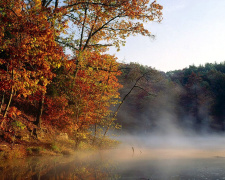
column 50, row 146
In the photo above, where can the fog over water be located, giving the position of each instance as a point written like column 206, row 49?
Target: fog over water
column 170, row 152
column 167, row 153
column 168, row 138
column 180, row 155
column 171, row 146
column 152, row 156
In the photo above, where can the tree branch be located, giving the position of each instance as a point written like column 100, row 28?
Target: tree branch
column 91, row 45
column 56, row 4
column 66, row 44
column 82, row 31
column 43, row 3
column 145, row 91
column 124, row 98
column 48, row 3
column 91, row 35
column 94, row 3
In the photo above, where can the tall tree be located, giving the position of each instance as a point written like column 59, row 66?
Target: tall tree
column 98, row 25
column 29, row 50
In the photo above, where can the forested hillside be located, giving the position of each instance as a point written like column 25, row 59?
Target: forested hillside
column 202, row 98
column 191, row 99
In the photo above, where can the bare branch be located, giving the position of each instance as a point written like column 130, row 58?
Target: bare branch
column 145, row 91
column 124, row 98
column 48, row 3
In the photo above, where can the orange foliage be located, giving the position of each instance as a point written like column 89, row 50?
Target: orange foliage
column 13, row 112
column 96, row 88
column 105, row 21
column 29, row 50
column 81, row 91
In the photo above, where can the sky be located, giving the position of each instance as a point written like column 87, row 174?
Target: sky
column 192, row 32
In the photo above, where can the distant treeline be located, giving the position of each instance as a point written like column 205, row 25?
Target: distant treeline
column 188, row 99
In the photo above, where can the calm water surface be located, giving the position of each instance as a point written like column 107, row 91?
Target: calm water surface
column 125, row 162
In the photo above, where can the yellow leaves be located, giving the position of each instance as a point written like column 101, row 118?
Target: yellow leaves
column 90, row 69
column 37, row 4
column 44, row 81
column 56, row 64
column 26, row 84
column 34, row 40
column 156, row 6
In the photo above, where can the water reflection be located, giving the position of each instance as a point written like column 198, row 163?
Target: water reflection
column 88, row 165
column 123, row 163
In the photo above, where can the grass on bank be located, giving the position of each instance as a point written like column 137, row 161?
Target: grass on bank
column 51, row 146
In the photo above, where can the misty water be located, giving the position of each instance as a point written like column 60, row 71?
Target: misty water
column 138, row 157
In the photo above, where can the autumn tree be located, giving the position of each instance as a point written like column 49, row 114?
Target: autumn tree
column 32, row 61
column 94, row 26
column 91, row 94
column 28, row 49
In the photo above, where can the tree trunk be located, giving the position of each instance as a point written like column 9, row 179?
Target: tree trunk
column 7, row 108
column 9, row 102
column 95, row 134
column 10, row 98
column 3, row 100
column 77, row 139
column 40, row 110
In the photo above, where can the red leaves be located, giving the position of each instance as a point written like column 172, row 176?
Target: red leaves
column 57, row 112
column 13, row 112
